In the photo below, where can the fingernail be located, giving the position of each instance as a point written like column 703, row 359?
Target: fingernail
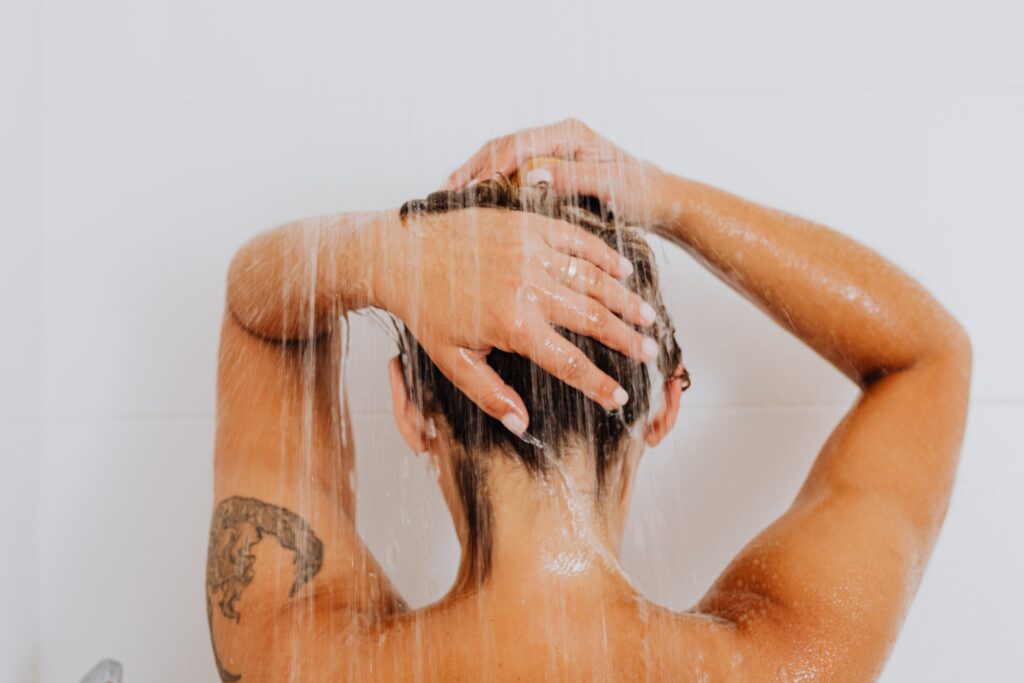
column 647, row 313
column 650, row 348
column 625, row 266
column 539, row 176
column 513, row 424
column 620, row 396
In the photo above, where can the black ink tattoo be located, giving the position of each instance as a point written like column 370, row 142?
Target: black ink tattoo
column 238, row 524
column 225, row 675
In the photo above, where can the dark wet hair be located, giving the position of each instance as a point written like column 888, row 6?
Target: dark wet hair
column 559, row 414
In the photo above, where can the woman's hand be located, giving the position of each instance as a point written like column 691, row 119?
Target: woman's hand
column 574, row 160
column 472, row 280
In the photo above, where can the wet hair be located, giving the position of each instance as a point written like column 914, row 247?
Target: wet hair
column 560, row 415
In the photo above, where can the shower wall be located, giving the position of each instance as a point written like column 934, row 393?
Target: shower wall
column 20, row 316
column 159, row 135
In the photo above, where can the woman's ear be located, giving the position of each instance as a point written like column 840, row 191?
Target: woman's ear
column 415, row 429
column 662, row 423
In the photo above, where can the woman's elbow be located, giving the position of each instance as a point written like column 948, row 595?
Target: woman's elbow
column 955, row 344
column 270, row 290
column 254, row 275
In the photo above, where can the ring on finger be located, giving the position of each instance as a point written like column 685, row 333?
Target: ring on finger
column 570, row 271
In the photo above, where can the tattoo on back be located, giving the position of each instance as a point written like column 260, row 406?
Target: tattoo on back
column 238, row 524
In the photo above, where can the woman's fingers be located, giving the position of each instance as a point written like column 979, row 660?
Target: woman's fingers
column 496, row 156
column 561, row 140
column 629, row 188
column 564, row 139
column 463, row 174
column 503, row 159
column 469, row 372
column 583, row 315
column 586, row 278
column 553, row 352
column 573, row 178
column 576, row 241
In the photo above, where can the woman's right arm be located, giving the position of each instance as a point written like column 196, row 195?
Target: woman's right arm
column 826, row 586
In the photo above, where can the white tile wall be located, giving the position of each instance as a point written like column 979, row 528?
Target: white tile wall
column 964, row 623
column 171, row 131
column 20, row 198
column 20, row 258
column 162, row 51
column 19, row 584
column 124, row 520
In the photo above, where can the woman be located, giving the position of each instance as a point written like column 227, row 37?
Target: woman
column 492, row 300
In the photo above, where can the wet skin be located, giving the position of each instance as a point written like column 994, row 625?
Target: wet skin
column 820, row 594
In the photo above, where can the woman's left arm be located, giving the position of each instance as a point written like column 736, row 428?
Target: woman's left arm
column 283, row 544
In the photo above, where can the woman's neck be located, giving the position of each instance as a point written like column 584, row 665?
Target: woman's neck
column 552, row 532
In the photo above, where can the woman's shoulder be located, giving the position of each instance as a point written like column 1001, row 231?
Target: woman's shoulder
column 621, row 640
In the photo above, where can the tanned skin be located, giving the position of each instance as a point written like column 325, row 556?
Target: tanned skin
column 819, row 595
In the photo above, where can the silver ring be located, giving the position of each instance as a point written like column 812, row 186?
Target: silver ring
column 570, row 272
